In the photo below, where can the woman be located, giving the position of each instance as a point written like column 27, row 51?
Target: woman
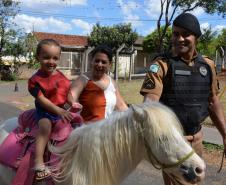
column 97, row 91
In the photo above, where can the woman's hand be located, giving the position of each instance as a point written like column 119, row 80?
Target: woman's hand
column 76, row 107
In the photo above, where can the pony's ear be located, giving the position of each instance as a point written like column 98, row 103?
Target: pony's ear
column 138, row 112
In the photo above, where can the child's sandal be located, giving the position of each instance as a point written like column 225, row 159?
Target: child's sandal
column 42, row 173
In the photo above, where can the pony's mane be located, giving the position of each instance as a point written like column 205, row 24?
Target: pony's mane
column 93, row 153
column 162, row 122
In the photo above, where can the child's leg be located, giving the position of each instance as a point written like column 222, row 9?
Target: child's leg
column 42, row 139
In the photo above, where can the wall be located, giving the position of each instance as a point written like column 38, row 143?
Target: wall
column 123, row 66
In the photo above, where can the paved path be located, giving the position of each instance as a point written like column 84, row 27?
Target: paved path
column 212, row 135
column 7, row 111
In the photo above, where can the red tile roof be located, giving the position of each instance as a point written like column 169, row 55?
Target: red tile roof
column 65, row 40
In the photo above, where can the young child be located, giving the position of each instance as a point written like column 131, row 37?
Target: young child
column 49, row 87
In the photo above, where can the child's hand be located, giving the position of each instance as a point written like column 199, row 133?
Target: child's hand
column 65, row 115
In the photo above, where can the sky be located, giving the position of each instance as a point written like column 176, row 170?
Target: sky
column 77, row 17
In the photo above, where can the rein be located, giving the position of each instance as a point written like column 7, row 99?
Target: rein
column 222, row 161
column 163, row 166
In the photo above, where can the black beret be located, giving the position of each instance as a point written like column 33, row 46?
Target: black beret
column 188, row 22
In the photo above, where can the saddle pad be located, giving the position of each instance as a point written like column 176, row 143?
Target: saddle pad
column 15, row 143
column 10, row 149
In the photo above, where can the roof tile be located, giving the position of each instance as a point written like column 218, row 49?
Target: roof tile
column 63, row 39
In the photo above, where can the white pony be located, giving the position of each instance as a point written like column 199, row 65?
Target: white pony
column 105, row 152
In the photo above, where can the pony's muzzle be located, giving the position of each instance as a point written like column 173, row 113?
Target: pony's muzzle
column 193, row 174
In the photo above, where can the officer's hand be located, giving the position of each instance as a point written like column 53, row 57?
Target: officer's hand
column 189, row 138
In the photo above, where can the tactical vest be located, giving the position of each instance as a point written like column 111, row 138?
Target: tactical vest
column 186, row 90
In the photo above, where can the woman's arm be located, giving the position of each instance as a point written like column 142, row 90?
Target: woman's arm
column 77, row 87
column 120, row 103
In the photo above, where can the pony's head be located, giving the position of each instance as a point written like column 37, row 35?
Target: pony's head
column 166, row 147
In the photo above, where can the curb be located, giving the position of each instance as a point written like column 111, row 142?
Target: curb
column 212, row 135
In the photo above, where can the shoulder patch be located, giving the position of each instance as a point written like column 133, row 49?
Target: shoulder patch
column 154, row 68
column 148, row 83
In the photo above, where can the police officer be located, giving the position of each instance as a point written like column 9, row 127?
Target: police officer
column 186, row 81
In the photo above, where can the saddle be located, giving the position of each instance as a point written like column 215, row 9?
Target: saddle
column 17, row 150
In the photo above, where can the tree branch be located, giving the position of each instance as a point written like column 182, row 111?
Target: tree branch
column 159, row 24
column 192, row 8
column 172, row 15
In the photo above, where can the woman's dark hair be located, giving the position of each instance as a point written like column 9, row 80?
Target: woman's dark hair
column 103, row 49
column 46, row 42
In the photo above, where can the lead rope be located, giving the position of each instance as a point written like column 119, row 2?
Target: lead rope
column 222, row 161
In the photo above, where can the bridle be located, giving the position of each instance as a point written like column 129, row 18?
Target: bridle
column 153, row 159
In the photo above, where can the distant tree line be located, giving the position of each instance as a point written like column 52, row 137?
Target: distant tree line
column 209, row 42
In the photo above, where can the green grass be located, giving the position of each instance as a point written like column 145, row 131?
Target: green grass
column 212, row 147
column 130, row 90
column 19, row 80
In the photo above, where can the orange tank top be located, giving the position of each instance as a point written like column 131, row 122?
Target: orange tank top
column 93, row 100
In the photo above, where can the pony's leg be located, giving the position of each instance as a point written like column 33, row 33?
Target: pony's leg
column 6, row 175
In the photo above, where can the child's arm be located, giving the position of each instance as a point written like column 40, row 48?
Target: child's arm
column 49, row 106
column 36, row 91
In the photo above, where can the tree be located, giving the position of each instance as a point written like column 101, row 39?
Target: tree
column 113, row 36
column 209, row 6
column 30, row 45
column 8, row 10
column 221, row 45
column 150, row 43
column 10, row 43
column 207, row 43
column 221, row 39
column 210, row 41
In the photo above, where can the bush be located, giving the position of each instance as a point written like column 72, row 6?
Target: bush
column 8, row 76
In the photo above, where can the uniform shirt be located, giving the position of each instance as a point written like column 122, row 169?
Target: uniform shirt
column 97, row 103
column 54, row 87
column 153, row 82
